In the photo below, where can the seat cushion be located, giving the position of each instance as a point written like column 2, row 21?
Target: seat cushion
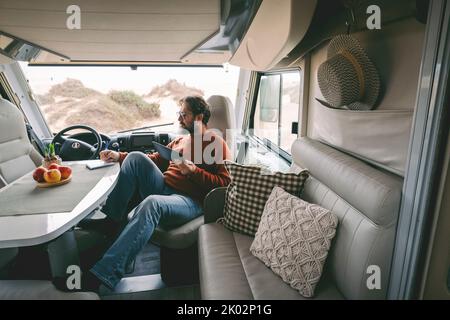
column 39, row 290
column 229, row 271
column 181, row 237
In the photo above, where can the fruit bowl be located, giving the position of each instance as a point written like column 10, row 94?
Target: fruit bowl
column 54, row 184
column 52, row 176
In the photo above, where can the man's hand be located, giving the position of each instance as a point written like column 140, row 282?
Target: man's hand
column 109, row 156
column 186, row 167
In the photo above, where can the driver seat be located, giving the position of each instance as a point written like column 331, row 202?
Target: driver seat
column 17, row 154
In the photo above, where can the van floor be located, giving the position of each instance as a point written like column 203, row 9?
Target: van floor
column 147, row 262
column 172, row 293
column 143, row 281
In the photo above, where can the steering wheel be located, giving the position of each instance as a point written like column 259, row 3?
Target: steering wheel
column 74, row 149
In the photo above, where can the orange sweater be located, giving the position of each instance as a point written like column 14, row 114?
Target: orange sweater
column 205, row 178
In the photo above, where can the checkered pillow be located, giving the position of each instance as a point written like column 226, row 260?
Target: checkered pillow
column 248, row 192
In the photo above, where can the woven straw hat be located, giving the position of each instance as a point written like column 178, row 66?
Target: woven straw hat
column 348, row 79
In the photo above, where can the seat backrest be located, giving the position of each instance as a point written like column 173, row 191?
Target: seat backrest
column 17, row 155
column 222, row 117
column 366, row 201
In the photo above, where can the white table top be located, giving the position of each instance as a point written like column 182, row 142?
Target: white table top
column 28, row 230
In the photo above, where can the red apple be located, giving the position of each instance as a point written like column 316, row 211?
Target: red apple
column 52, row 176
column 65, row 172
column 38, row 174
column 53, row 166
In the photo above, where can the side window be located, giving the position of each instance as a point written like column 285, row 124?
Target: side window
column 277, row 109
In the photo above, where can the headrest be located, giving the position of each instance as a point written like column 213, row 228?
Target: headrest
column 374, row 193
column 222, row 115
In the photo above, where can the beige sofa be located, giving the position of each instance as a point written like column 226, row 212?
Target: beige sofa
column 366, row 201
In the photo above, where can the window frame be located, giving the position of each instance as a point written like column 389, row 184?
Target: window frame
column 11, row 95
column 43, row 113
column 251, row 124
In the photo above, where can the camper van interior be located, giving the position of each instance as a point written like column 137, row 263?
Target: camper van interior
column 332, row 179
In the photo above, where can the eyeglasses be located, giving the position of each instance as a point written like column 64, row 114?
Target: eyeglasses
column 182, row 114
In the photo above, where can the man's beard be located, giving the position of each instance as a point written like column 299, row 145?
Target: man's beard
column 189, row 128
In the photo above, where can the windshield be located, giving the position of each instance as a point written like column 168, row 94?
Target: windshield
column 112, row 99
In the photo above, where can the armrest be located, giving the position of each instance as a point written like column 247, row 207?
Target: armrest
column 213, row 204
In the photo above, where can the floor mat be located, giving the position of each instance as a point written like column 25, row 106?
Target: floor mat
column 147, row 262
column 178, row 293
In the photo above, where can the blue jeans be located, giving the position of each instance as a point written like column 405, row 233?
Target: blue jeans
column 161, row 205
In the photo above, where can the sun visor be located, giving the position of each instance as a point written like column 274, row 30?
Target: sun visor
column 277, row 28
column 16, row 49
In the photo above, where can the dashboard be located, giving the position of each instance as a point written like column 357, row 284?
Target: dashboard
column 141, row 141
column 127, row 142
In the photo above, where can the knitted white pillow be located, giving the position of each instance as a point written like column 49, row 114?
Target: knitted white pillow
column 293, row 239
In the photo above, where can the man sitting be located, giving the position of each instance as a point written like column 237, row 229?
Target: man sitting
column 173, row 191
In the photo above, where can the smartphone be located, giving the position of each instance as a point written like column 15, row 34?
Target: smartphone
column 98, row 164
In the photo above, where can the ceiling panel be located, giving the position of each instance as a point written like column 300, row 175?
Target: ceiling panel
column 140, row 47
column 128, row 57
column 111, row 30
column 117, row 6
column 58, row 35
column 110, row 21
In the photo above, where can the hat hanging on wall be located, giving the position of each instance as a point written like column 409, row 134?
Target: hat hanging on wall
column 348, row 79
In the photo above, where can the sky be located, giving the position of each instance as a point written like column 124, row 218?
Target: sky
column 222, row 81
